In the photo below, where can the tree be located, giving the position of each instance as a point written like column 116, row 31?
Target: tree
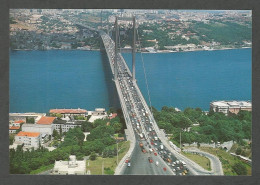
column 11, row 139
column 239, row 168
column 239, row 151
column 117, row 127
column 93, row 156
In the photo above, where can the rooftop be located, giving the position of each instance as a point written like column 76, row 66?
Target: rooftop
column 19, row 121
column 14, row 128
column 28, row 134
column 68, row 111
column 46, row 120
column 232, row 103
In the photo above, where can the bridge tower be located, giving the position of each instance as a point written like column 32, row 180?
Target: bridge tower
column 133, row 49
column 133, row 45
column 116, row 49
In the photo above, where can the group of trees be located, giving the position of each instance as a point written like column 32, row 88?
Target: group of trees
column 213, row 127
column 99, row 141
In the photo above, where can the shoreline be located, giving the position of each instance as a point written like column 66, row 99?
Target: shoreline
column 159, row 51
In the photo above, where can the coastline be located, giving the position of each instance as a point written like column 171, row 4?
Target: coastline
column 159, row 51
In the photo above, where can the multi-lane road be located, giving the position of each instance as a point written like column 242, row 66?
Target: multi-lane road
column 162, row 161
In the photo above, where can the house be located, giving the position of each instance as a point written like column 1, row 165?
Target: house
column 18, row 123
column 71, row 167
column 111, row 116
column 29, row 139
column 13, row 129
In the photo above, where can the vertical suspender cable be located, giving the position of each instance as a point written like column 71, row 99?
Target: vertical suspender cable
column 147, row 86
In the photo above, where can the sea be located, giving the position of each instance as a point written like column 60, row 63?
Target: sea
column 44, row 80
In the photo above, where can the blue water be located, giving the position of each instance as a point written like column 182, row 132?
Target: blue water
column 41, row 80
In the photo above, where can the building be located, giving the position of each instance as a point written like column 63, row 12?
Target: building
column 71, row 167
column 13, row 129
column 111, row 116
column 69, row 112
column 18, row 123
column 29, row 139
column 227, row 107
column 23, row 116
column 43, row 126
column 66, row 125
column 99, row 112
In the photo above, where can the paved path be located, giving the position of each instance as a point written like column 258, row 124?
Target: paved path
column 215, row 163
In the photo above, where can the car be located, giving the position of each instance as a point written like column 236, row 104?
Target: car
column 164, row 169
column 155, row 153
column 129, row 164
column 150, row 159
column 157, row 163
column 173, row 170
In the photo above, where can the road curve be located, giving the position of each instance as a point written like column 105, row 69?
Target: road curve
column 215, row 163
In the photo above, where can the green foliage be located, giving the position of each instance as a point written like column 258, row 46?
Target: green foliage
column 58, row 115
column 223, row 32
column 93, row 156
column 79, row 117
column 239, row 151
column 11, row 139
column 213, row 127
column 108, row 171
column 73, row 137
column 239, row 168
column 30, row 120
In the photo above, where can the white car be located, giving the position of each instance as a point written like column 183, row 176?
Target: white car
column 157, row 163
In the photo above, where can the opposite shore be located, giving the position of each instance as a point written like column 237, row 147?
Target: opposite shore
column 158, row 51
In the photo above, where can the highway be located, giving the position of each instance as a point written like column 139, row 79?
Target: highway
column 142, row 125
column 143, row 129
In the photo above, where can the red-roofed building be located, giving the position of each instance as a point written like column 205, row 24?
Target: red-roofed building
column 44, row 126
column 29, row 139
column 18, row 123
column 46, row 120
column 69, row 112
column 111, row 116
column 13, row 129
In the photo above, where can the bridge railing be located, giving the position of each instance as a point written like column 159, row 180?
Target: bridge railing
column 121, row 166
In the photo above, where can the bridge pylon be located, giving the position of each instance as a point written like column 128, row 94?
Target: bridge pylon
column 133, row 45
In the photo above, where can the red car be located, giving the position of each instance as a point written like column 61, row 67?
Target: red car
column 152, row 143
column 164, row 169
column 155, row 153
column 150, row 159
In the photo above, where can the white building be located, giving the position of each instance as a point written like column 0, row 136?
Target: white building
column 65, row 125
column 71, row 167
column 69, row 112
column 29, row 139
column 227, row 107
column 44, row 126
column 13, row 129
column 99, row 113
column 23, row 116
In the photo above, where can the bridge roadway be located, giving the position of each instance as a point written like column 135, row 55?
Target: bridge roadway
column 143, row 129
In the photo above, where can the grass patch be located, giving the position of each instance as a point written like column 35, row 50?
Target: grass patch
column 227, row 160
column 110, row 164
column 42, row 169
column 204, row 162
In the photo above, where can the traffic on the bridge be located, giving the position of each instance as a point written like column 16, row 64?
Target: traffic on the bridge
column 146, row 136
